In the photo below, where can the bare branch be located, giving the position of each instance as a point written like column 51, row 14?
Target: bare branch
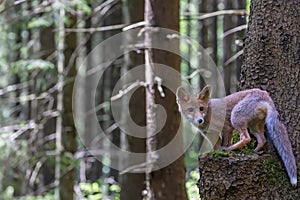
column 104, row 4
column 234, row 57
column 215, row 14
column 98, row 29
column 15, row 87
column 236, row 29
column 128, row 89
column 204, row 72
column 135, row 25
column 16, row 3
column 36, row 170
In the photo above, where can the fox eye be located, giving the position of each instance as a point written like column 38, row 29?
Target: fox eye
column 190, row 109
column 201, row 108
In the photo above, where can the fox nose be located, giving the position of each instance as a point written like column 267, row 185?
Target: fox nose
column 200, row 120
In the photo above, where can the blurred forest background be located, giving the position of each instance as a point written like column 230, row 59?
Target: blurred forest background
column 42, row 44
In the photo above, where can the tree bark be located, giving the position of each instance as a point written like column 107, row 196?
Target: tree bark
column 272, row 63
column 132, row 184
column 169, row 182
column 69, row 143
column 227, row 48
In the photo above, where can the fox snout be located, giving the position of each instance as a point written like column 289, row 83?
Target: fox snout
column 199, row 120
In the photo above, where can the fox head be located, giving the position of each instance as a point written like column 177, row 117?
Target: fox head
column 193, row 107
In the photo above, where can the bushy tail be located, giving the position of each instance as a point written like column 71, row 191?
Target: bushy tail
column 279, row 136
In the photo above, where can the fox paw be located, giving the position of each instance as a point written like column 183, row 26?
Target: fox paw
column 223, row 148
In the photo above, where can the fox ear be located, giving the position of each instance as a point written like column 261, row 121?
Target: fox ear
column 182, row 95
column 205, row 93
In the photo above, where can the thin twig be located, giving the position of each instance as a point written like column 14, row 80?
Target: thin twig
column 36, row 170
column 137, row 168
column 135, row 25
column 15, row 87
column 128, row 89
column 233, row 58
column 16, row 3
column 204, row 72
column 215, row 14
column 236, row 29
column 98, row 29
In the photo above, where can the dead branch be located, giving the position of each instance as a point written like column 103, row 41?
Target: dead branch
column 16, row 3
column 234, row 57
column 128, row 89
column 15, row 87
column 236, row 29
column 98, row 29
column 215, row 14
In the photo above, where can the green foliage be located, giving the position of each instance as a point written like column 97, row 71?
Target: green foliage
column 25, row 67
column 100, row 190
column 82, row 6
column 14, row 163
column 8, row 193
column 191, row 185
column 40, row 22
column 47, row 196
column 21, row 66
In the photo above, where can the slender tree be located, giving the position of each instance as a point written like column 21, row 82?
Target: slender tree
column 66, row 143
column 133, row 184
column 227, row 48
column 166, row 14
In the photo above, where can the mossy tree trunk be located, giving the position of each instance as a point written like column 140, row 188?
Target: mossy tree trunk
column 272, row 63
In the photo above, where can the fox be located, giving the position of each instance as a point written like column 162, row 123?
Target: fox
column 245, row 111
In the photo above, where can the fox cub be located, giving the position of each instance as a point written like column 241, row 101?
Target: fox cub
column 245, row 110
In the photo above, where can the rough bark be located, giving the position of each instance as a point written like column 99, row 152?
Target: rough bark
column 241, row 20
column 272, row 59
column 271, row 62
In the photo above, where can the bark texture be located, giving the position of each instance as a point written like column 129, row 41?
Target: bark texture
column 272, row 63
column 169, row 182
column 238, row 177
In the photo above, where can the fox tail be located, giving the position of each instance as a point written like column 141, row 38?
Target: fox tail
column 279, row 136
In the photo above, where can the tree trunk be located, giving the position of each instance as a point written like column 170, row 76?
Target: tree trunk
column 69, row 143
column 169, row 182
column 227, row 48
column 272, row 63
column 241, row 20
column 132, row 184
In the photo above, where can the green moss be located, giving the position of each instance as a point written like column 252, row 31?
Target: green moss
column 248, row 149
column 219, row 154
column 275, row 172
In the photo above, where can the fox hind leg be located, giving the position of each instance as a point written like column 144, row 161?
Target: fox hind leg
column 259, row 132
column 244, row 139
